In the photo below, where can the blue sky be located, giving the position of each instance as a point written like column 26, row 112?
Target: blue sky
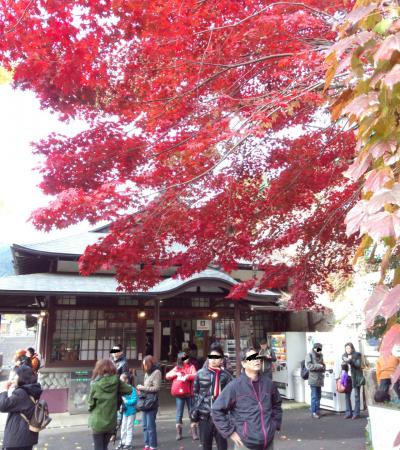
column 22, row 121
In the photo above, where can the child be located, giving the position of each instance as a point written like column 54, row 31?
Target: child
column 128, row 416
column 345, row 380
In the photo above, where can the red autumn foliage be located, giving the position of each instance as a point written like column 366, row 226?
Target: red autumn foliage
column 188, row 103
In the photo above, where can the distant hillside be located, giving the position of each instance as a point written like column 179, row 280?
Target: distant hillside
column 6, row 266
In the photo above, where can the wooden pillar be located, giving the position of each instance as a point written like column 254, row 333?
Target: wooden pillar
column 157, row 330
column 237, row 338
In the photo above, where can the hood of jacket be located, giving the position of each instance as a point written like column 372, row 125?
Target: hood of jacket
column 34, row 390
column 107, row 384
column 154, row 367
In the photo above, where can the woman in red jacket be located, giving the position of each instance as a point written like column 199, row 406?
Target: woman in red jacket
column 182, row 377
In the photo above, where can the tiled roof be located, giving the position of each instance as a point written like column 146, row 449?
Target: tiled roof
column 55, row 283
column 71, row 245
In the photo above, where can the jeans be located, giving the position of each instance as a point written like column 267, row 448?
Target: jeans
column 101, row 440
column 357, row 390
column 384, row 385
column 349, row 409
column 180, row 406
column 149, row 428
column 127, row 430
column 315, row 399
column 208, row 432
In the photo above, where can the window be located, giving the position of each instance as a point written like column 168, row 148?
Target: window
column 66, row 300
column 88, row 335
column 200, row 302
column 126, row 301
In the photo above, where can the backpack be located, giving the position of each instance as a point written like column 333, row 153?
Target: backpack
column 38, row 363
column 304, row 373
column 40, row 417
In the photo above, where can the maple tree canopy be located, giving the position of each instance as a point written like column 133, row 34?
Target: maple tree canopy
column 208, row 137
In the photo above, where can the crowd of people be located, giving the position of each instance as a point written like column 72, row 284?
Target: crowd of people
column 211, row 394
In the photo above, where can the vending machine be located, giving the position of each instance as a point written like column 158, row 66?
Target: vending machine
column 332, row 349
column 290, row 349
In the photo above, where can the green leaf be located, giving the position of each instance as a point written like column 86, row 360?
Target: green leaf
column 383, row 26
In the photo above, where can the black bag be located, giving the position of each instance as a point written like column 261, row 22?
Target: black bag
column 147, row 401
column 304, row 373
column 194, row 413
column 120, row 402
column 40, row 417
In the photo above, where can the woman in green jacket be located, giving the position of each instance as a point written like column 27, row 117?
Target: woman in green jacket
column 103, row 402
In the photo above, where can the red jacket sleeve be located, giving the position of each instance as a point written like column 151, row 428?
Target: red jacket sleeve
column 171, row 374
column 191, row 375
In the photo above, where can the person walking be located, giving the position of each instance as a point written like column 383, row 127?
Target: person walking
column 150, row 388
column 128, row 410
column 268, row 357
column 182, row 377
column 353, row 359
column 120, row 361
column 385, row 368
column 103, row 400
column 315, row 364
column 346, row 382
column 17, row 435
column 34, row 358
column 210, row 381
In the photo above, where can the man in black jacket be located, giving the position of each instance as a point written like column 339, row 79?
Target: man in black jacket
column 249, row 410
column 119, row 360
column 210, row 381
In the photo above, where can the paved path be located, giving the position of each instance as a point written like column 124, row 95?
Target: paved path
column 299, row 431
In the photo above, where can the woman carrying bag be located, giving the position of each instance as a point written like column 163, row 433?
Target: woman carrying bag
column 148, row 401
column 353, row 359
column 105, row 390
column 19, row 406
column 182, row 376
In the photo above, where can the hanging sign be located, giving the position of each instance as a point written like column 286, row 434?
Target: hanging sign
column 204, row 325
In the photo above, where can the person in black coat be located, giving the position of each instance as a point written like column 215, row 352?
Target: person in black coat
column 210, row 381
column 17, row 435
column 120, row 362
column 249, row 410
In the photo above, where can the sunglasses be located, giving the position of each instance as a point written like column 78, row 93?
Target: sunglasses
column 253, row 357
column 214, row 357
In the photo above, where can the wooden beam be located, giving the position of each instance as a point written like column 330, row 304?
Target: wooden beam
column 237, row 338
column 157, row 330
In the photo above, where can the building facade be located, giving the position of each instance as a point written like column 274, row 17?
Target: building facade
column 80, row 318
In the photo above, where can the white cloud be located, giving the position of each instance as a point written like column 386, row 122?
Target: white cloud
column 22, row 122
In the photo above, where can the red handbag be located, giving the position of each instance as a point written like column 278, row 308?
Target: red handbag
column 181, row 388
column 339, row 386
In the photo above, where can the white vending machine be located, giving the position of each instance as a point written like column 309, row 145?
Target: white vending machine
column 290, row 349
column 332, row 349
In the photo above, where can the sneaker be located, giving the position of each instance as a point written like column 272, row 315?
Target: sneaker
column 348, row 417
column 315, row 416
column 356, row 417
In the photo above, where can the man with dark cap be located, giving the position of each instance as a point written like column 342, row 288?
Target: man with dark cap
column 316, row 367
column 268, row 357
column 119, row 360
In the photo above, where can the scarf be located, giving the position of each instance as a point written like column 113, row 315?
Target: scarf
column 217, row 382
